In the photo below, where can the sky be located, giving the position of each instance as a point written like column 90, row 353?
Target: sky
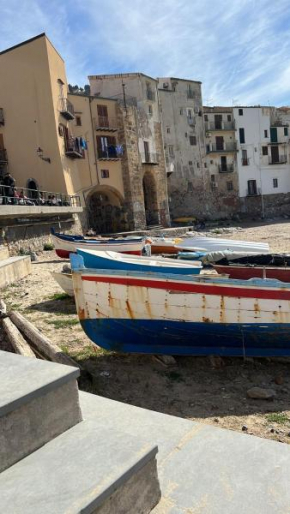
column 239, row 49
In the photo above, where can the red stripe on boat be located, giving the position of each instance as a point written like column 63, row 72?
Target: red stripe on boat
column 267, row 294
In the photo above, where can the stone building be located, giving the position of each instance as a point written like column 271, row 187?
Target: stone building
column 144, row 156
column 184, row 143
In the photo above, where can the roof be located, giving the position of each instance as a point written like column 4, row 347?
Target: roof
column 93, row 97
column 43, row 34
column 176, row 78
column 120, row 75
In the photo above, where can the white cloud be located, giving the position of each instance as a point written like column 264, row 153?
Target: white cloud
column 239, row 49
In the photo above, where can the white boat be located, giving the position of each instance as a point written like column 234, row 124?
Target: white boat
column 213, row 244
column 64, row 280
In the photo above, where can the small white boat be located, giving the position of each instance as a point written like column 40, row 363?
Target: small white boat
column 213, row 244
column 64, row 280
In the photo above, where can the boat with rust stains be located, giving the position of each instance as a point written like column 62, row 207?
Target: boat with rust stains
column 182, row 315
column 65, row 244
column 118, row 261
column 260, row 266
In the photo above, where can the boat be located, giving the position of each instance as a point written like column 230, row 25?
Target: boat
column 64, row 280
column 131, row 311
column 212, row 244
column 66, row 244
column 262, row 266
column 164, row 245
column 118, row 261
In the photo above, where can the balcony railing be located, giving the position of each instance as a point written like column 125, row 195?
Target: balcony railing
column 104, row 123
column 280, row 159
column 223, row 125
column 23, row 196
column 245, row 161
column 228, row 168
column 67, row 109
column 2, row 121
column 150, row 158
column 221, row 148
column 150, row 95
column 112, row 152
column 73, row 148
column 3, row 156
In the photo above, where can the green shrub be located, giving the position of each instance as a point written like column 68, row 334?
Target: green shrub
column 47, row 247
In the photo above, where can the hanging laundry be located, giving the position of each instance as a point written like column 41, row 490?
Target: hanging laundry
column 119, row 150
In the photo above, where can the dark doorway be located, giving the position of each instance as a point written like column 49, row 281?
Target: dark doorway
column 224, row 166
column 33, row 189
column 218, row 121
column 274, row 154
column 219, row 142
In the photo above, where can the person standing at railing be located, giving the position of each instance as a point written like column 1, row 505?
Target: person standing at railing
column 9, row 188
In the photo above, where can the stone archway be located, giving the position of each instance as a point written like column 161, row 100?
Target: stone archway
column 150, row 199
column 105, row 210
column 32, row 186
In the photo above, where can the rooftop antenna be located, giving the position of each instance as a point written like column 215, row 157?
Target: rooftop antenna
column 124, row 95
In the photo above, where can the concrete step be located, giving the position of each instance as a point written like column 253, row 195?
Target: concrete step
column 38, row 401
column 4, row 253
column 13, row 269
column 88, row 469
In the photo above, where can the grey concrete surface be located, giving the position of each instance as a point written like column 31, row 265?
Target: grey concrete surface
column 13, row 269
column 203, row 469
column 27, row 211
column 79, row 471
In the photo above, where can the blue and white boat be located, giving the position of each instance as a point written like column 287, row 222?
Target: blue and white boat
column 123, row 262
column 169, row 314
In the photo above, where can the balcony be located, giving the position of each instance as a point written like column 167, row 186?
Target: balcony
column 223, row 125
column 3, row 156
column 111, row 153
column 2, row 121
column 245, row 161
column 150, row 95
column 221, row 148
column 67, row 109
column 73, row 149
column 280, row 159
column 150, row 158
column 105, row 124
column 228, row 168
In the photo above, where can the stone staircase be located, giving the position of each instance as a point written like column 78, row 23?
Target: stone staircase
column 12, row 268
column 53, row 461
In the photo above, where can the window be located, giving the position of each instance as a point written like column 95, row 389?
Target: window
column 192, row 140
column 205, row 165
column 211, row 161
column 168, row 130
column 275, row 182
column 190, row 163
column 197, row 165
column 252, row 187
column 181, row 111
column 106, row 146
column 150, row 111
column 229, row 118
column 244, row 158
column 189, row 186
column 212, row 178
column 171, row 150
column 264, row 150
column 189, row 113
column 285, row 131
column 241, row 112
column 190, row 92
column 105, row 173
column 103, row 118
column 265, row 133
column 185, row 134
column 242, row 135
column 230, row 186
column 78, row 121
column 205, row 117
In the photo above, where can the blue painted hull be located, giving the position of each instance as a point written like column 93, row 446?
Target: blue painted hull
column 96, row 262
column 186, row 338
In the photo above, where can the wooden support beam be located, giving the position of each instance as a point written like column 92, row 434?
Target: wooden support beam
column 16, row 339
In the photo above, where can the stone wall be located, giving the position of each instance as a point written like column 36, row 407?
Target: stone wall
column 265, row 206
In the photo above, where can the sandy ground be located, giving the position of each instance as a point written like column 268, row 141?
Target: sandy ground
column 203, row 389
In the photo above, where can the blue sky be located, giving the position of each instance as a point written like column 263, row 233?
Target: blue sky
column 239, row 49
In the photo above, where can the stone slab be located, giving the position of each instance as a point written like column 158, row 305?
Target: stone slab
column 14, row 269
column 79, row 471
column 24, row 379
column 27, row 211
column 203, row 469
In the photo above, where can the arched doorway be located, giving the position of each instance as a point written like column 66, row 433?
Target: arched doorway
column 105, row 211
column 150, row 199
column 33, row 188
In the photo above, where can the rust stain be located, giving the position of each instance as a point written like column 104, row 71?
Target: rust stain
column 222, row 310
column 257, row 307
column 148, row 308
column 81, row 313
column 129, row 308
column 206, row 320
column 110, row 299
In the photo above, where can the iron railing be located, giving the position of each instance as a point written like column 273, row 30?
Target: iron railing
column 73, row 148
column 280, row 159
column 3, row 155
column 33, row 197
column 106, row 123
column 223, row 125
column 67, row 109
column 2, row 120
column 223, row 147
column 111, row 152
column 150, row 158
column 228, row 168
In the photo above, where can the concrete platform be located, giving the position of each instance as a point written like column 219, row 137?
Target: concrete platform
column 203, row 469
column 13, row 269
column 27, row 211
column 38, row 401
column 88, row 469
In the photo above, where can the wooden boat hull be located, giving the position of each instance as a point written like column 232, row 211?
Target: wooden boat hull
column 248, row 272
column 65, row 281
column 63, row 247
column 137, row 312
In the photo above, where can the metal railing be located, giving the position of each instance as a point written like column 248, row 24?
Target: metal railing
column 223, row 125
column 225, row 147
column 245, row 161
column 10, row 195
column 111, row 152
column 228, row 168
column 67, row 109
column 150, row 158
column 3, row 155
column 280, row 159
column 2, row 121
column 104, row 122
column 73, row 148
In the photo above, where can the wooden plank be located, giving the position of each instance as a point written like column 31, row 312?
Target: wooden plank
column 16, row 339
